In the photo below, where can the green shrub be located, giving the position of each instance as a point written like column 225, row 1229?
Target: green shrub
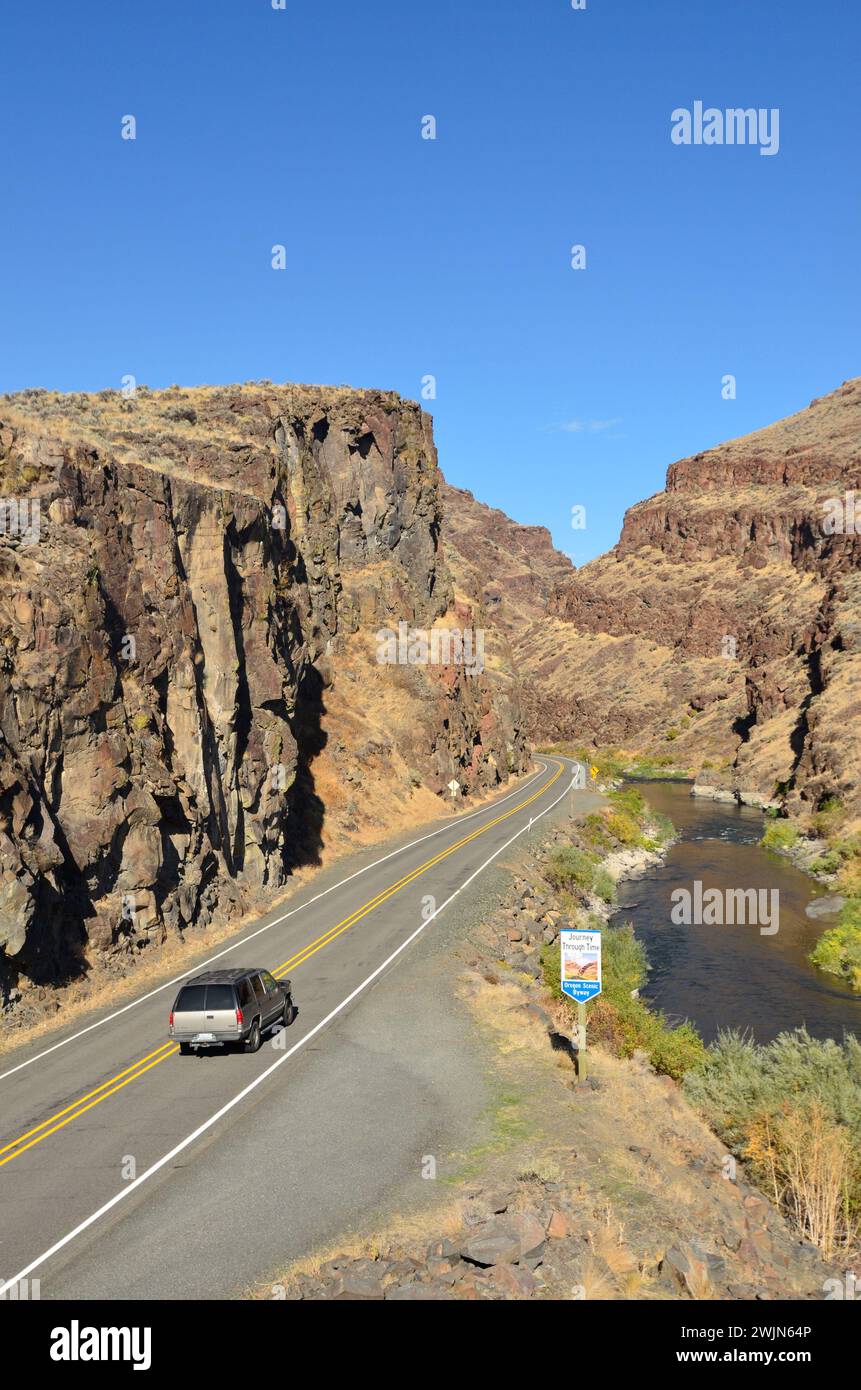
column 830, row 813
column 792, row 1109
column 625, row 962
column 827, row 863
column 838, row 950
column 739, row 1078
column 569, row 868
column 662, row 828
column 630, row 800
column 849, row 873
column 603, row 886
column 659, row 765
column 605, row 830
column 625, row 828
column 780, row 835
column 674, row 1050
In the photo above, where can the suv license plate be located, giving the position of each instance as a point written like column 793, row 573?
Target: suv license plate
column 203, row 1037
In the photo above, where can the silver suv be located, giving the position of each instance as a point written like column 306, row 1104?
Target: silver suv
column 229, row 1006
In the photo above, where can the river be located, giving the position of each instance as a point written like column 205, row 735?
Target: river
column 731, row 976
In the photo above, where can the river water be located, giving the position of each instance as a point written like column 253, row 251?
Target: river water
column 731, row 976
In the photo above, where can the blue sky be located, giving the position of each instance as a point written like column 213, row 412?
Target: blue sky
column 408, row 257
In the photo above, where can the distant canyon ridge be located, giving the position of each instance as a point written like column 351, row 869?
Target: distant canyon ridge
column 723, row 632
column 192, row 700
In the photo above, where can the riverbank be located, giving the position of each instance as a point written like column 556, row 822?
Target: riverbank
column 611, row 1190
column 823, row 842
column 827, row 847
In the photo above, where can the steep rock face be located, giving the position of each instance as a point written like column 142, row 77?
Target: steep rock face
column 736, row 576
column 182, row 630
column 511, row 574
column 503, row 564
column 724, row 630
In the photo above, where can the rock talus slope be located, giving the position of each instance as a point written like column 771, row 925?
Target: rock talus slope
column 190, row 697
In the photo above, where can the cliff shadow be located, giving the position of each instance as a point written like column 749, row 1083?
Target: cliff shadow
column 306, row 810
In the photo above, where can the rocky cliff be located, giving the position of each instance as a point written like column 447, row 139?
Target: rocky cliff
column 191, row 696
column 723, row 632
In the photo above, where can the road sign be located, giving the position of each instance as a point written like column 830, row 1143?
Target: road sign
column 454, row 787
column 581, row 964
column 593, row 773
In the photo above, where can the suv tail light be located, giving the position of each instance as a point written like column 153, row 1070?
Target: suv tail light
column 238, row 1017
column 171, row 1018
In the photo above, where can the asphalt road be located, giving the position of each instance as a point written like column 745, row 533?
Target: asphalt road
column 127, row 1171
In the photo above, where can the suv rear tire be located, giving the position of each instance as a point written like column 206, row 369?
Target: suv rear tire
column 289, row 1011
column 252, row 1042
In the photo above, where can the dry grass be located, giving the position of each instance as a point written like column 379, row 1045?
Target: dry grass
column 496, row 1008
column 408, row 1230
column 811, row 1168
column 596, row 1281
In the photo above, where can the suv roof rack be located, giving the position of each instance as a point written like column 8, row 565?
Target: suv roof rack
column 222, row 977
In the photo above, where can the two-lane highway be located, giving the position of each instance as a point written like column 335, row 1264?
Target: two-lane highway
column 95, row 1119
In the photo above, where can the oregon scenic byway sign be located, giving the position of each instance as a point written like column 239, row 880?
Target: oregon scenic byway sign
column 581, row 964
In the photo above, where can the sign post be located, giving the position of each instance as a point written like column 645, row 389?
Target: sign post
column 581, row 1041
column 581, row 979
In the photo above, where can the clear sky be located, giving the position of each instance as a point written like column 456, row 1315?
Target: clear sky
column 451, row 257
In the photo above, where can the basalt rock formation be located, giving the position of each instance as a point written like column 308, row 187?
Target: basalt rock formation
column 191, row 700
column 723, row 632
column 193, row 587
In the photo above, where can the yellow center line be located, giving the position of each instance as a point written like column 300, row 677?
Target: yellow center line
column 313, row 947
column 161, row 1054
column 80, row 1101
column 84, row 1108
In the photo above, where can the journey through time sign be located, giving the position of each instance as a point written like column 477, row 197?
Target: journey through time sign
column 581, row 964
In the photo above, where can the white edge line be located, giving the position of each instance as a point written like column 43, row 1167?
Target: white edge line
column 459, row 820
column 258, row 1081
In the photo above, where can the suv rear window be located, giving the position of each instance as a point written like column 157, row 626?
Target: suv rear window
column 191, row 999
column 220, row 997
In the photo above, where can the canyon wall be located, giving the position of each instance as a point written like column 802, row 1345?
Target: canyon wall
column 723, row 632
column 191, row 701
